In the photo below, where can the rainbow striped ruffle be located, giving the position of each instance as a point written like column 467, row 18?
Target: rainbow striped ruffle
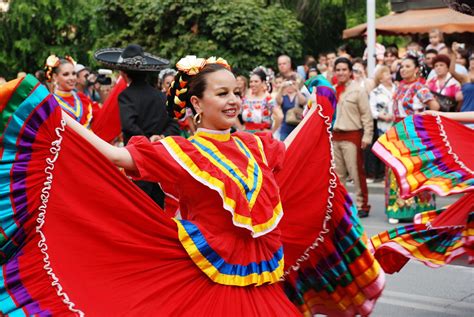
column 420, row 151
column 429, row 153
column 433, row 246
column 344, row 279
column 329, row 267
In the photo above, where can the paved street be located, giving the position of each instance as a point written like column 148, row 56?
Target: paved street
column 418, row 290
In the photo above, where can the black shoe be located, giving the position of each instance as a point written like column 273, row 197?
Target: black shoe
column 363, row 213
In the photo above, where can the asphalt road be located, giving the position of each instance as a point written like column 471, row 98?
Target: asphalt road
column 418, row 290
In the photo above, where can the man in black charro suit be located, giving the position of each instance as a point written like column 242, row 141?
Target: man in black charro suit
column 142, row 108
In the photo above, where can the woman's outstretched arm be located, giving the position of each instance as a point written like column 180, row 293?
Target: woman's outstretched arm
column 467, row 116
column 119, row 156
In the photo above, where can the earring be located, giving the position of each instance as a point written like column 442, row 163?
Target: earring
column 197, row 118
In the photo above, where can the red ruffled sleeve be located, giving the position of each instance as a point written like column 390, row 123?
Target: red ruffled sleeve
column 154, row 164
column 274, row 150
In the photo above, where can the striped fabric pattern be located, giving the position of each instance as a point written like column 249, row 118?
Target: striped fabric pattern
column 239, row 193
column 222, row 272
column 419, row 150
column 346, row 278
column 24, row 102
column 419, row 153
column 434, row 247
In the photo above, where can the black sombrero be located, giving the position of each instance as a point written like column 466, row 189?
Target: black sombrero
column 463, row 6
column 130, row 58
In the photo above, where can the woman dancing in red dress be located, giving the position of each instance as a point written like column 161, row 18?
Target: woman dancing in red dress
column 265, row 227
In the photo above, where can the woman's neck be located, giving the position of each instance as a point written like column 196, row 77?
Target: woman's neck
column 411, row 80
column 388, row 85
column 258, row 94
column 62, row 92
column 442, row 77
column 219, row 135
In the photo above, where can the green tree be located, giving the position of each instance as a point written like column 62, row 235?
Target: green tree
column 324, row 21
column 32, row 30
column 244, row 32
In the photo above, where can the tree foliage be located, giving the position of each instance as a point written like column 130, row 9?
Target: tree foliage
column 324, row 21
column 31, row 30
column 244, row 32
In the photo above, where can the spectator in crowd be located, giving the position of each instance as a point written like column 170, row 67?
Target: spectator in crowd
column 276, row 84
column 466, row 80
column 242, row 84
column 331, row 58
column 258, row 108
column 302, row 70
column 284, row 67
column 105, row 89
column 429, row 57
column 344, row 51
column 392, row 61
column 165, row 78
column 444, row 87
column 322, row 65
column 436, row 41
column 411, row 97
column 93, row 87
column 82, row 74
column 312, row 70
column 413, row 48
column 460, row 68
column 379, row 51
column 288, row 97
column 352, row 132
column 381, row 105
column 462, row 57
column 359, row 74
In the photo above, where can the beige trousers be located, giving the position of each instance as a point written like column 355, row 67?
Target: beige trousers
column 349, row 162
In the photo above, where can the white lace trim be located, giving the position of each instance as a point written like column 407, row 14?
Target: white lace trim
column 448, row 145
column 55, row 148
column 329, row 210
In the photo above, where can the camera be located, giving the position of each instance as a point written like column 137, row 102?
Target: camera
column 462, row 46
column 104, row 80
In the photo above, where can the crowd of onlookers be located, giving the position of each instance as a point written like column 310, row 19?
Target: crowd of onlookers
column 406, row 81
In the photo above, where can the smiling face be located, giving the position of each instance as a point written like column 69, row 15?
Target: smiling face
column 257, row 86
column 220, row 103
column 65, row 77
column 82, row 77
column 343, row 73
column 408, row 70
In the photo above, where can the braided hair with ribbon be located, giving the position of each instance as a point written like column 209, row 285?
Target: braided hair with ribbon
column 190, row 81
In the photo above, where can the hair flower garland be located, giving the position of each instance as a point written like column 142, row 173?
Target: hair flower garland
column 190, row 64
column 177, row 95
column 52, row 61
column 218, row 60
